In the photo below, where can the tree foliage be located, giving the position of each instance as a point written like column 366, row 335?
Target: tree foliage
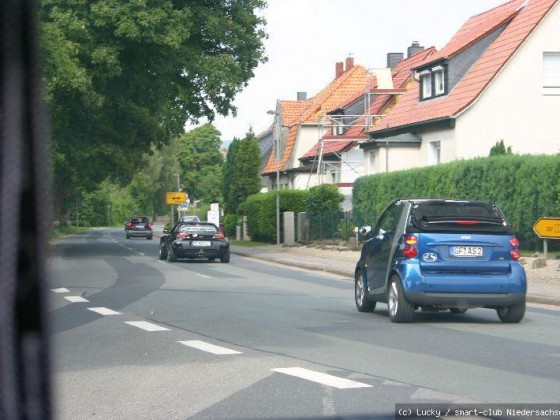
column 242, row 172
column 324, row 199
column 499, row 149
column 201, row 163
column 230, row 204
column 123, row 75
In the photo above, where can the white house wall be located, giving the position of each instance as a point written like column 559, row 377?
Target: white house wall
column 514, row 107
column 307, row 137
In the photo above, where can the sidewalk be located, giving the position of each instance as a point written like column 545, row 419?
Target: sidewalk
column 343, row 263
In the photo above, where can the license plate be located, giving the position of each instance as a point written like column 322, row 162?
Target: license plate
column 139, row 226
column 466, row 251
column 201, row 243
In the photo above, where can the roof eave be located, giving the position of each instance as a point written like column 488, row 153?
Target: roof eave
column 443, row 122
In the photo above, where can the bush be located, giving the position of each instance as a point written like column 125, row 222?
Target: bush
column 524, row 187
column 260, row 210
column 230, row 222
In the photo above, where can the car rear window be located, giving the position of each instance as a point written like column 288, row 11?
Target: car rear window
column 455, row 216
column 139, row 220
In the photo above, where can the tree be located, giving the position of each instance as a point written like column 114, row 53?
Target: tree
column 201, row 162
column 500, row 149
column 228, row 175
column 121, row 76
column 243, row 178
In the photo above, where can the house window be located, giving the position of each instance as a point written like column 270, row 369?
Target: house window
column 426, row 84
column 439, row 81
column 435, row 153
column 551, row 72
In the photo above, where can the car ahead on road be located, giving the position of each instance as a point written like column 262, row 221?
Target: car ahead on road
column 441, row 255
column 194, row 240
column 138, row 226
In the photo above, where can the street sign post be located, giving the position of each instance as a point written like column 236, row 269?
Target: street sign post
column 547, row 228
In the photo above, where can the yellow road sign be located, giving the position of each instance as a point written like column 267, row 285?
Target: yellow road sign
column 547, row 227
column 179, row 197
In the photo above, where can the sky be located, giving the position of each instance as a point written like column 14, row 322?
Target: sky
column 307, row 37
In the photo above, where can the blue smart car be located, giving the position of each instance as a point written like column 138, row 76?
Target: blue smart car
column 441, row 255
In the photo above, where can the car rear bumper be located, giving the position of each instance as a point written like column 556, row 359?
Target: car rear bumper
column 185, row 250
column 143, row 233
column 465, row 299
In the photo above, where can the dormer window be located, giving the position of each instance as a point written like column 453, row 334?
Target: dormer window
column 425, row 84
column 439, row 80
column 432, row 82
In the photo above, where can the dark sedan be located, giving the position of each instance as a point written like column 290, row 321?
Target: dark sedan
column 194, row 240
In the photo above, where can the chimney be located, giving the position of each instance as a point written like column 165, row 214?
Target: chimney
column 394, row 58
column 302, row 96
column 339, row 69
column 349, row 63
column 414, row 48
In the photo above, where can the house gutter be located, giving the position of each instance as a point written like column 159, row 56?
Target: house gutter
column 443, row 122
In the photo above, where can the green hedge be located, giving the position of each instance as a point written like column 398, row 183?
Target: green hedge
column 260, row 210
column 525, row 187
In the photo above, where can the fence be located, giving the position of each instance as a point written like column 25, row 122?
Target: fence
column 325, row 227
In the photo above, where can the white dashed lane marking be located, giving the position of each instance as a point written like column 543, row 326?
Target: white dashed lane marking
column 322, row 378
column 210, row 348
column 61, row 290
column 147, row 326
column 76, row 299
column 104, row 311
column 202, row 275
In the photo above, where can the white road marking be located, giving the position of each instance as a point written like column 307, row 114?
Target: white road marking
column 210, row 348
column 202, row 275
column 161, row 262
column 141, row 253
column 148, row 326
column 61, row 290
column 104, row 311
column 322, row 378
column 76, row 299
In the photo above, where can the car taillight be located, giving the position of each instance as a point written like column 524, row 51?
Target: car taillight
column 515, row 254
column 467, row 222
column 410, row 250
column 129, row 225
column 219, row 236
column 183, row 236
column 149, row 226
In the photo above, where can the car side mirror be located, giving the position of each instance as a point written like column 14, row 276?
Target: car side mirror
column 364, row 230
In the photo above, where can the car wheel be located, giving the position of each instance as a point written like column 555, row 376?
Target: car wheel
column 211, row 259
column 458, row 310
column 171, row 257
column 162, row 251
column 127, row 236
column 225, row 258
column 149, row 238
column 400, row 310
column 512, row 314
column 362, row 302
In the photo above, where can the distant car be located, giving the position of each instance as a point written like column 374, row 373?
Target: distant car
column 194, row 240
column 190, row 218
column 441, row 255
column 138, row 226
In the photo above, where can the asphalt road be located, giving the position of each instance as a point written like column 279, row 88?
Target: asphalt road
column 137, row 338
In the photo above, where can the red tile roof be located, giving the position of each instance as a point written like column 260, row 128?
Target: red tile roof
column 339, row 90
column 520, row 24
column 401, row 74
